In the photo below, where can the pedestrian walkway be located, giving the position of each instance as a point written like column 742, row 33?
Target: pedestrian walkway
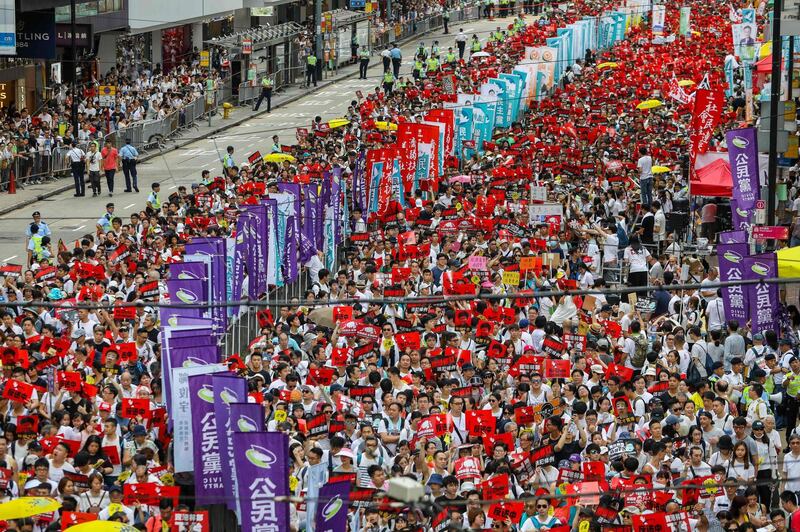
column 206, row 129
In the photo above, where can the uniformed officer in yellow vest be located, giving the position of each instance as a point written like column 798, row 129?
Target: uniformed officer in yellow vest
column 487, row 8
column 432, row 65
column 388, row 82
column 418, row 72
column 450, row 57
column 421, row 51
column 266, row 92
column 435, row 50
column 363, row 62
column 34, row 245
column 497, row 35
column 475, row 45
column 154, row 199
column 503, row 8
column 311, row 69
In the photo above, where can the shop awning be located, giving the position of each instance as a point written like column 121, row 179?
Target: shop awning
column 712, row 176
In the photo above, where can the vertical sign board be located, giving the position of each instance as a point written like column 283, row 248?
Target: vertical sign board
column 8, row 28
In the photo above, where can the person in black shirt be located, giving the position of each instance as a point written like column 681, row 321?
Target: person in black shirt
column 646, row 230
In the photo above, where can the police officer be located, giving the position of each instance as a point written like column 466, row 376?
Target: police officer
column 419, row 66
column 266, row 92
column 363, row 63
column 497, row 35
column 461, row 42
column 446, row 19
column 154, row 199
column 129, row 156
column 487, row 8
column 475, row 46
column 450, row 57
column 421, row 51
column 386, row 55
column 388, row 82
column 311, row 69
column 435, row 50
column 432, row 65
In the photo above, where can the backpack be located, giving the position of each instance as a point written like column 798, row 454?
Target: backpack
column 640, row 354
column 695, row 374
column 622, row 236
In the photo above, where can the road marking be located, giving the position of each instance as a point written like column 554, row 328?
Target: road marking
column 173, row 186
column 129, row 206
column 205, row 165
column 12, row 257
column 78, row 228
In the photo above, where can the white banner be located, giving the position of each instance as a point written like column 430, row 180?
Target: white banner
column 658, row 19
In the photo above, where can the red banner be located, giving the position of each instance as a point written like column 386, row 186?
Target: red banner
column 708, row 107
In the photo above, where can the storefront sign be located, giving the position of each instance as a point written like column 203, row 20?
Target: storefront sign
column 83, row 33
column 8, row 35
column 8, row 90
column 247, row 46
column 205, row 58
column 36, row 36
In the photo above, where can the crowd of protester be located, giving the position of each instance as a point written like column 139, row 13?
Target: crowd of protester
column 471, row 397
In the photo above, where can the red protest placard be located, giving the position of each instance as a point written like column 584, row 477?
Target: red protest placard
column 69, row 380
column 480, row 423
column 112, row 451
column 127, row 312
column 656, row 522
column 467, row 467
column 69, row 519
column 55, row 346
column 552, row 347
column 594, row 471
column 143, row 493
column 495, row 487
column 13, row 356
column 490, row 440
column 557, row 369
column 506, row 510
column 400, row 274
column 342, row 313
column 340, row 356
column 408, row 340
column 619, row 370
column 196, row 521
column 27, row 426
column 320, row 376
column 131, row 408
column 18, row 391
column 128, row 352
column 525, row 414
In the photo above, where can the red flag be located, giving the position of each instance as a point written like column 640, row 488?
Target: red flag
column 708, row 107
column 19, row 391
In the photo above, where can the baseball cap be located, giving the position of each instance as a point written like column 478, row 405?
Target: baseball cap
column 597, row 368
column 435, row 478
column 139, row 430
column 758, row 425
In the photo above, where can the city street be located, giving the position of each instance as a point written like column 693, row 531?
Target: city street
column 70, row 218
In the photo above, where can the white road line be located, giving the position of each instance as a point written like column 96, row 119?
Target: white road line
column 12, row 257
column 205, row 165
column 129, row 206
column 78, row 228
column 173, row 186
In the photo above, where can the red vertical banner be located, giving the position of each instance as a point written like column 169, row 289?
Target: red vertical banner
column 407, row 142
column 708, row 106
column 428, row 143
column 385, row 187
column 446, row 117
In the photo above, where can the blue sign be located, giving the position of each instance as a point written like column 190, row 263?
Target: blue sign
column 357, row 4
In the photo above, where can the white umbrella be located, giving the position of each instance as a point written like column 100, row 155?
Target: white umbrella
column 481, row 54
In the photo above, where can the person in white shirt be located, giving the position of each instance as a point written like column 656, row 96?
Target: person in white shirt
column 660, row 225
column 645, row 165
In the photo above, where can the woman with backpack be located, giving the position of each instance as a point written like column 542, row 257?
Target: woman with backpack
column 636, row 257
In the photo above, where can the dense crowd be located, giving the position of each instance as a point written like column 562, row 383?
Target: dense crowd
column 517, row 407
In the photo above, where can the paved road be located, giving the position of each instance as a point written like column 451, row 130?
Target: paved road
column 70, row 218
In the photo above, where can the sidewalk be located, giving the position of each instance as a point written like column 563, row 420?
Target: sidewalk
column 240, row 114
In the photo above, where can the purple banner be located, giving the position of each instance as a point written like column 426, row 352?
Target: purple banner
column 336, row 203
column 731, row 268
column 188, row 270
column 256, row 241
column 262, row 472
column 292, row 232
column 227, row 389
column 332, row 506
column 309, row 224
column 743, row 158
column 359, row 184
column 240, row 255
column 732, row 237
column 188, row 292
column 244, row 417
column 762, row 297
column 208, row 482
column 216, row 249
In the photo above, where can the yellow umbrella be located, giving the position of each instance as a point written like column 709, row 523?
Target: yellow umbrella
column 765, row 50
column 789, row 262
column 661, row 169
column 685, row 83
column 608, row 64
column 386, row 126
column 278, row 158
column 102, row 526
column 338, row 122
column 650, row 104
column 27, row 507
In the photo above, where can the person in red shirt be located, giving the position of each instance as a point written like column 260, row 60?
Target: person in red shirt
column 110, row 164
